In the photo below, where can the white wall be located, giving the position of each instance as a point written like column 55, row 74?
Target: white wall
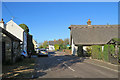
column 2, row 25
column 74, row 48
column 51, row 47
column 15, row 29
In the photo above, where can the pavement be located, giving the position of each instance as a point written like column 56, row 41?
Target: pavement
column 64, row 65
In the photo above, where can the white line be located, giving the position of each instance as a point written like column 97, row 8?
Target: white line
column 104, row 67
column 68, row 67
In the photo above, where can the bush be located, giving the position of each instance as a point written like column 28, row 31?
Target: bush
column 56, row 47
column 105, row 53
column 89, row 51
column 96, row 52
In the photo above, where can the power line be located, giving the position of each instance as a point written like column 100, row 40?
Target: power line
column 8, row 11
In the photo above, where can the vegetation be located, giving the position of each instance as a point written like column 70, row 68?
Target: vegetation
column 25, row 27
column 58, row 44
column 89, row 50
column 45, row 44
column 56, row 47
column 30, row 46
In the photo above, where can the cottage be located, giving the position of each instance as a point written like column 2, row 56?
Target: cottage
column 87, row 35
column 10, row 45
column 14, row 40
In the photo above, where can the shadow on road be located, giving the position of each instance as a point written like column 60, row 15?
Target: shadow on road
column 51, row 52
column 57, row 62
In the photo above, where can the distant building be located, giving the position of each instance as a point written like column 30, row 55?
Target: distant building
column 51, row 45
column 34, row 43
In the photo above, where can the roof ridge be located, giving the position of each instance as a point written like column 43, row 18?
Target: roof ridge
column 92, row 26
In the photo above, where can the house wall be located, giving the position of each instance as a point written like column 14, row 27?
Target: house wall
column 74, row 48
column 34, row 43
column 8, row 48
column 12, row 50
column 16, row 51
column 14, row 29
column 51, row 47
column 2, row 25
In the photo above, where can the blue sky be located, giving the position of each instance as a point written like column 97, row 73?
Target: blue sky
column 50, row 20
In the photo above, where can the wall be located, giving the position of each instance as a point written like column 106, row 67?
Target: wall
column 14, row 29
column 74, row 48
column 51, row 47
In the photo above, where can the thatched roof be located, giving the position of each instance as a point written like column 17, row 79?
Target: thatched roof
column 94, row 34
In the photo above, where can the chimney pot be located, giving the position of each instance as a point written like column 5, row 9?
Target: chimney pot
column 89, row 22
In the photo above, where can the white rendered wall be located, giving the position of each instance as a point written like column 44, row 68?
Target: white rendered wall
column 51, row 47
column 15, row 29
column 74, row 48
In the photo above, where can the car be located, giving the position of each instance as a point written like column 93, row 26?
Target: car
column 24, row 54
column 43, row 52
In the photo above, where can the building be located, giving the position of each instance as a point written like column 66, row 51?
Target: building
column 34, row 43
column 51, row 45
column 87, row 35
column 17, row 31
column 10, row 45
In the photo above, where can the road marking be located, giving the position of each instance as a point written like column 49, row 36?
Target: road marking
column 68, row 67
column 103, row 67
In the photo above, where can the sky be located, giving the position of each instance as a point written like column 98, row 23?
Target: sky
column 50, row 20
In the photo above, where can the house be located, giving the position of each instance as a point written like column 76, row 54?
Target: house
column 51, row 45
column 34, row 43
column 87, row 35
column 10, row 45
column 17, row 31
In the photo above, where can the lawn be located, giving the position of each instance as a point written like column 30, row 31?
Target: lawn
column 21, row 69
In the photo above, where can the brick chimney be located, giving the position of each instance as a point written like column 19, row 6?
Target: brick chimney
column 2, row 23
column 89, row 22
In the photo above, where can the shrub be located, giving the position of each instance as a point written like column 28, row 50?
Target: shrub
column 96, row 52
column 56, row 47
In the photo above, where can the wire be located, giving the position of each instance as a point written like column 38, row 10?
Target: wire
column 8, row 9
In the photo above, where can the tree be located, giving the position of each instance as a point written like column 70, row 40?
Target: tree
column 25, row 27
column 45, row 44
column 66, row 41
column 40, row 46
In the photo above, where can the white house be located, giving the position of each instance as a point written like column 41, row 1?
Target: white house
column 17, row 31
column 51, row 45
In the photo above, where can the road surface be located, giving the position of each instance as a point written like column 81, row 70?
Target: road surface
column 63, row 65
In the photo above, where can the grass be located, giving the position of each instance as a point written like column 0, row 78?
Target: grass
column 22, row 69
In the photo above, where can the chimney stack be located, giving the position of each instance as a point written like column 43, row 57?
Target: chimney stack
column 89, row 22
column 2, row 23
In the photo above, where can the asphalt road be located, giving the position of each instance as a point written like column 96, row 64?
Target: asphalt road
column 63, row 65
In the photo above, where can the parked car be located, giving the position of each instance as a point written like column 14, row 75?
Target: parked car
column 24, row 54
column 43, row 52
column 37, row 50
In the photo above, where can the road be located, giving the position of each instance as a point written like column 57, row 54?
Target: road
column 63, row 65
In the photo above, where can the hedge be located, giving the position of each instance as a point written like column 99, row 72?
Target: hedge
column 96, row 52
